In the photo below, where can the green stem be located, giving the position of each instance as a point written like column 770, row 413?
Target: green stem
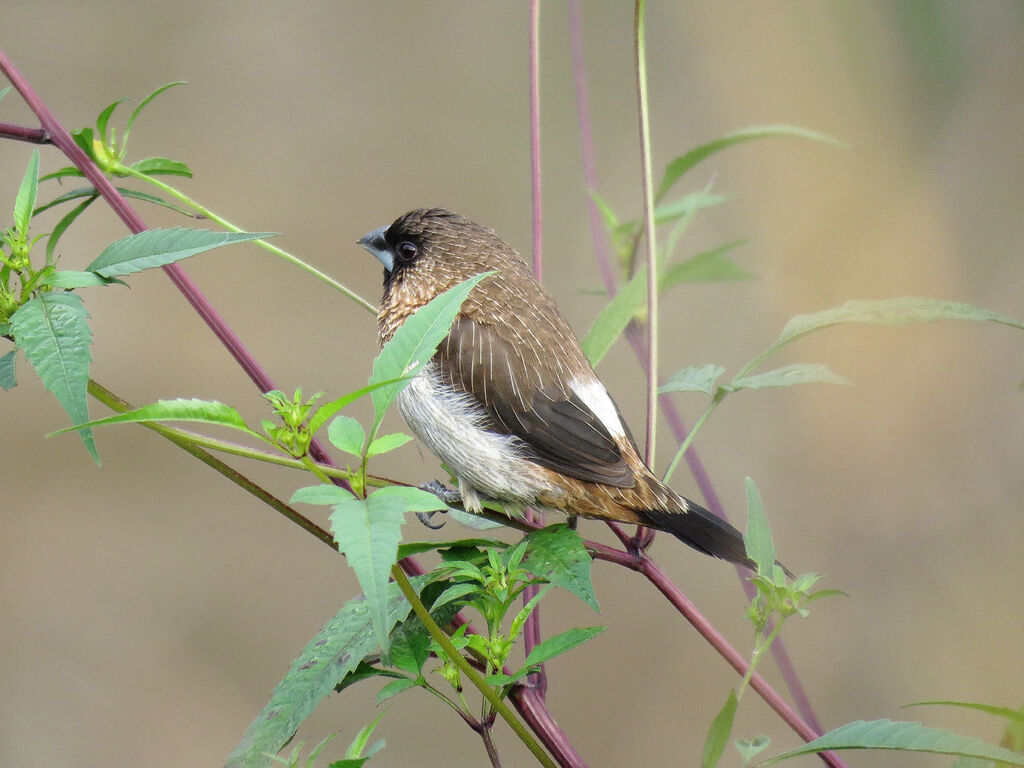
column 761, row 645
column 719, row 396
column 207, row 213
column 115, row 403
column 466, row 669
column 652, row 264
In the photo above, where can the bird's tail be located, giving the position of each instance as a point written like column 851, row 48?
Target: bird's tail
column 702, row 530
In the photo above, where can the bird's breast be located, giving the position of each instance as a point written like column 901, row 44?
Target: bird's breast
column 452, row 424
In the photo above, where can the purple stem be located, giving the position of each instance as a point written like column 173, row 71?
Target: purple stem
column 675, row 422
column 21, row 133
column 63, row 141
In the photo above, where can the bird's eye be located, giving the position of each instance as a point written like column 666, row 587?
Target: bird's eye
column 407, row 250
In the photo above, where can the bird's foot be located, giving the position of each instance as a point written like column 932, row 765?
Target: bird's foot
column 448, row 495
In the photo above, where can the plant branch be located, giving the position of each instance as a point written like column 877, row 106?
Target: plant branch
column 119, row 405
column 22, row 133
column 652, row 263
column 467, row 669
column 63, row 141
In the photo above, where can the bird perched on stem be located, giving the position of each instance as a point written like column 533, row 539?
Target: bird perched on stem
column 509, row 402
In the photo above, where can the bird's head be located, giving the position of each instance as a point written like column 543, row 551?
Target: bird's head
column 430, row 250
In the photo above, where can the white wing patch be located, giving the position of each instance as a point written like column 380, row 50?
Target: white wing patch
column 592, row 392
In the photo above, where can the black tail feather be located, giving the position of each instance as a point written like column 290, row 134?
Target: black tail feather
column 704, row 531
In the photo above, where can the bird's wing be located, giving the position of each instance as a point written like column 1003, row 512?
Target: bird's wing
column 527, row 395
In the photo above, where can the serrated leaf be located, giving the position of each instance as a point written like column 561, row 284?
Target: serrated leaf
column 159, row 247
column 7, row 378
column 364, row 671
column 25, row 202
column 614, row 318
column 707, row 266
column 694, row 378
column 907, row 736
column 69, row 278
column 719, row 732
column 414, row 499
column 53, row 331
column 389, row 442
column 367, row 532
column 335, row 652
column 558, row 644
column 204, row 411
column 394, row 688
column 346, row 434
column 909, row 309
column 788, row 376
column 758, row 537
column 557, row 554
column 321, row 493
column 415, row 342
column 678, row 167
column 162, row 166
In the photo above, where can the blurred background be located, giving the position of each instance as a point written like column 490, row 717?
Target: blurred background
column 149, row 607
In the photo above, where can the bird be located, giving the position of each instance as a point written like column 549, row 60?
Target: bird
column 509, row 401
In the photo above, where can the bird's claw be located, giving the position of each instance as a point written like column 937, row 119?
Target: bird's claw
column 448, row 495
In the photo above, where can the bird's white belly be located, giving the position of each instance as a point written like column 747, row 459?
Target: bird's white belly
column 450, row 424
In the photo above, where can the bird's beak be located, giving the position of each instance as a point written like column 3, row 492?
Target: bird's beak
column 375, row 243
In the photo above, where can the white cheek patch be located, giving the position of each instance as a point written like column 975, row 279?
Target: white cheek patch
column 596, row 398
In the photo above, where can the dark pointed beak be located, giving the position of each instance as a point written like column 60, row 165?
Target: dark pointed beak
column 375, row 243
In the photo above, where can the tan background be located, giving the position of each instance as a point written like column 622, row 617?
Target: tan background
column 149, row 607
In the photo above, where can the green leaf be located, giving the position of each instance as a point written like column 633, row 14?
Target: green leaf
column 888, row 312
column 611, row 221
column 695, row 378
column 90, row 192
column 558, row 644
column 62, row 227
column 69, row 278
column 719, row 732
column 1006, row 713
column 758, row 537
column 367, row 532
column 204, row 411
column 7, row 378
column 104, row 118
column 64, row 172
column 707, row 266
column 678, row 167
column 475, row 522
column 456, row 593
column 358, row 746
column 418, row 547
column 363, row 671
column 53, row 331
column 750, row 748
column 144, row 102
column 161, row 166
column 335, row 652
column 25, row 202
column 415, row 342
column 395, row 687
column 321, row 493
column 346, row 434
column 325, row 411
column 159, row 247
column 788, row 376
column 913, row 737
column 4, row 91
column 614, row 318
column 557, row 553
column 83, row 138
column 386, row 443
